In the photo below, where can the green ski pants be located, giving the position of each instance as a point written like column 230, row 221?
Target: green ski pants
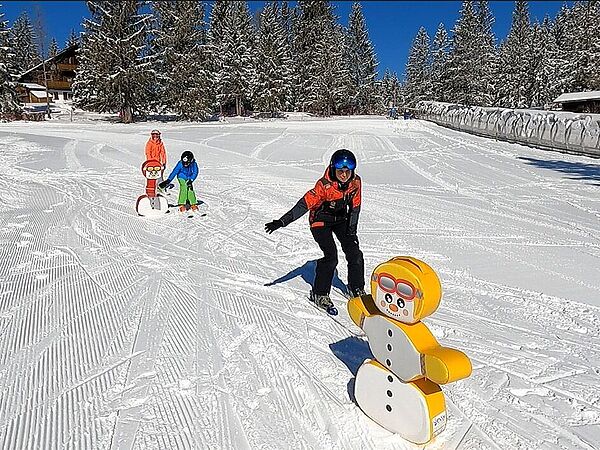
column 185, row 194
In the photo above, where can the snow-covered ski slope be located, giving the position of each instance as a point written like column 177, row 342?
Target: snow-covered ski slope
column 118, row 331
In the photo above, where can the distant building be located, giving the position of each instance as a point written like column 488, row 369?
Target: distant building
column 60, row 72
column 580, row 102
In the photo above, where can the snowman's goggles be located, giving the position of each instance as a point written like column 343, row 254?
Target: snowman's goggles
column 388, row 283
column 153, row 169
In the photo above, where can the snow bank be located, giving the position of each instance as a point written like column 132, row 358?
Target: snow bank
column 556, row 130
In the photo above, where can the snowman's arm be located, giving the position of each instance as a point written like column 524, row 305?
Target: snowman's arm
column 361, row 307
column 439, row 364
column 444, row 365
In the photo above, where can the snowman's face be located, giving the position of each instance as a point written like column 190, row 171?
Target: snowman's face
column 395, row 298
column 153, row 172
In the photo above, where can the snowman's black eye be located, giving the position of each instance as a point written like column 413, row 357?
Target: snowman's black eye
column 400, row 302
column 389, row 298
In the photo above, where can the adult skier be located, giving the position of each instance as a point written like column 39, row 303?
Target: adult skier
column 334, row 205
column 186, row 172
column 155, row 149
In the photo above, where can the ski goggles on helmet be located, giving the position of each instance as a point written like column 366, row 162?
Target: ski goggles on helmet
column 388, row 283
column 344, row 162
column 155, row 133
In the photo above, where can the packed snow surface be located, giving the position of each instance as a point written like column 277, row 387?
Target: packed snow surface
column 118, row 331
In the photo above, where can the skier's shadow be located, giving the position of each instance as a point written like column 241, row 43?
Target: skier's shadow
column 352, row 351
column 307, row 272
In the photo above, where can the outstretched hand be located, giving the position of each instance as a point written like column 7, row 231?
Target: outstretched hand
column 163, row 184
column 272, row 226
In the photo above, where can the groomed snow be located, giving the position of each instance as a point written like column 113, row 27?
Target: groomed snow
column 118, row 331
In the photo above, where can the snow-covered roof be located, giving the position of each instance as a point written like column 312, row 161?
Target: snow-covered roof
column 49, row 60
column 35, row 86
column 39, row 94
column 577, row 96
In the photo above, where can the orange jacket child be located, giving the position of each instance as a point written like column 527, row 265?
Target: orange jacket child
column 155, row 149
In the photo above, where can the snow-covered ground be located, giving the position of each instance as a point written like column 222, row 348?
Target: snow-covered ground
column 124, row 332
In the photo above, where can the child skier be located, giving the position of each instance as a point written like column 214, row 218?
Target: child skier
column 334, row 205
column 186, row 172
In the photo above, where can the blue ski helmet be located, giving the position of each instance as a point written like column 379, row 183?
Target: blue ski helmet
column 343, row 159
column 187, row 158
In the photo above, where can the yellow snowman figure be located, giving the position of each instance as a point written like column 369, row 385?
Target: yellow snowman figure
column 400, row 388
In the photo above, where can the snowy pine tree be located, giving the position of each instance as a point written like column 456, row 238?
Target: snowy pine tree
column 564, row 36
column 274, row 63
column 290, row 19
column 585, row 45
column 53, row 48
column 114, row 70
column 544, row 64
column 9, row 105
column 362, row 63
column 390, row 91
column 486, row 58
column 516, row 73
column 232, row 37
column 179, row 48
column 319, row 46
column 418, row 69
column 463, row 58
column 439, row 59
column 73, row 39
column 23, row 41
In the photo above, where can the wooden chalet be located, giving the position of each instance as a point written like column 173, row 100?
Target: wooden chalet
column 60, row 72
column 580, row 102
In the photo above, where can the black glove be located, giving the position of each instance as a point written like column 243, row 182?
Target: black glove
column 272, row 226
column 190, row 185
column 163, row 184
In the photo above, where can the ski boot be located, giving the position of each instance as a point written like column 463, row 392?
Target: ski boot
column 323, row 302
column 356, row 292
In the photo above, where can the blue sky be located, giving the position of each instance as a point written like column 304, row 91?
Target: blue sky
column 392, row 24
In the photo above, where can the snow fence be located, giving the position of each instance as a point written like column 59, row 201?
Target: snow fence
column 555, row 130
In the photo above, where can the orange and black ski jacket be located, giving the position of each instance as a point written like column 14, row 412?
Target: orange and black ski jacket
column 330, row 203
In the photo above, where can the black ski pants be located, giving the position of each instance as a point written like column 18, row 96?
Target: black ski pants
column 327, row 264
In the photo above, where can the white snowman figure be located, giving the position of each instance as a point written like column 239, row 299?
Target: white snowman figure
column 400, row 388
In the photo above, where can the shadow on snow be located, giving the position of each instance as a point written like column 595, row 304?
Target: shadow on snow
column 352, row 351
column 578, row 170
column 307, row 272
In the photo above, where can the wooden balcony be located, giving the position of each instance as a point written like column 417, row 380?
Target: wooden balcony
column 66, row 67
column 59, row 85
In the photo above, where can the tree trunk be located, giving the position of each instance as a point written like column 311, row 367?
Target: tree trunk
column 126, row 114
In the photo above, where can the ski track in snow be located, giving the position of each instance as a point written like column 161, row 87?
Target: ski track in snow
column 124, row 332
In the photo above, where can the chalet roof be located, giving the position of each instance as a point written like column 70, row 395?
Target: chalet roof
column 34, row 86
column 577, row 96
column 49, row 60
column 39, row 94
